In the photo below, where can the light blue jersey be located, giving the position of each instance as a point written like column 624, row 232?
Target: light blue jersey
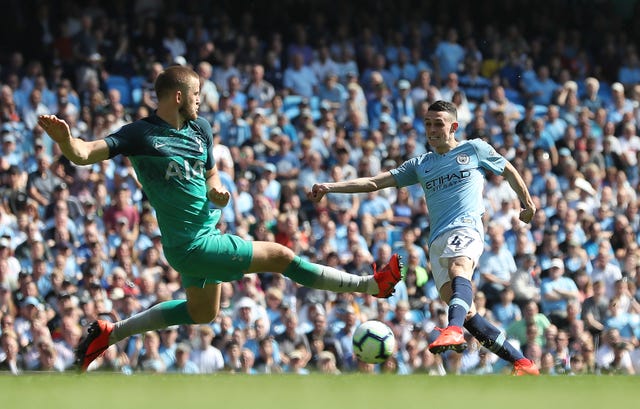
column 453, row 184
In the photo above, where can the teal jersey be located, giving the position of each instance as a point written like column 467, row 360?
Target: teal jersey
column 453, row 184
column 171, row 166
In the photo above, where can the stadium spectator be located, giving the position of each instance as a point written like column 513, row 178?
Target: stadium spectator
column 247, row 362
column 183, row 364
column 48, row 360
column 506, row 311
column 12, row 361
column 496, row 266
column 42, row 182
column 149, row 359
column 613, row 355
column 530, row 315
column 556, row 291
column 448, row 55
column 299, row 79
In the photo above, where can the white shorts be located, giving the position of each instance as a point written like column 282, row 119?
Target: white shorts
column 458, row 242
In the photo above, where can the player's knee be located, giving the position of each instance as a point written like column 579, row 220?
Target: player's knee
column 456, row 269
column 460, row 268
column 284, row 255
column 204, row 315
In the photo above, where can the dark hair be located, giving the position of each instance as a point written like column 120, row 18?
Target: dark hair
column 444, row 106
column 172, row 79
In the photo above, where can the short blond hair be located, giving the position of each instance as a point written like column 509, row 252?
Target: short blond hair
column 174, row 78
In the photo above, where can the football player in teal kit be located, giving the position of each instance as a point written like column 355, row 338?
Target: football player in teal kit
column 171, row 152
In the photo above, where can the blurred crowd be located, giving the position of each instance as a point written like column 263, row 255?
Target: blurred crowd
column 326, row 92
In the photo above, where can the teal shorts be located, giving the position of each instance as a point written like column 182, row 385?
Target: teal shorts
column 211, row 259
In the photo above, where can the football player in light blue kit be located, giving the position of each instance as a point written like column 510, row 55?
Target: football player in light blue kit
column 452, row 177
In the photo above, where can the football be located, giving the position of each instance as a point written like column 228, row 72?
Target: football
column 373, row 342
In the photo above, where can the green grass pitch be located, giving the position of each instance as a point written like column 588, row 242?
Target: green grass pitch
column 95, row 391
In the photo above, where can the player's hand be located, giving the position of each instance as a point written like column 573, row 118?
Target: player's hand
column 527, row 214
column 317, row 192
column 219, row 198
column 55, row 127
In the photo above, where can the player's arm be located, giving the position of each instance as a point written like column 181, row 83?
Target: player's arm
column 519, row 186
column 359, row 185
column 76, row 150
column 216, row 193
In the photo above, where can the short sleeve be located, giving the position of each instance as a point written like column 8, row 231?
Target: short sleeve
column 405, row 174
column 489, row 158
column 126, row 140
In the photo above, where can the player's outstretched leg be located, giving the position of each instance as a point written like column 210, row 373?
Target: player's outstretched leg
column 381, row 284
column 494, row 340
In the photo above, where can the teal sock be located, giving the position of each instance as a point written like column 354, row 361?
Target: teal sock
column 159, row 316
column 328, row 278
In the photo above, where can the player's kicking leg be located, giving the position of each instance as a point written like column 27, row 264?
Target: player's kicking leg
column 268, row 256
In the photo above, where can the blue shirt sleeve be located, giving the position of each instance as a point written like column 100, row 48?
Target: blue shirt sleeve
column 406, row 174
column 488, row 157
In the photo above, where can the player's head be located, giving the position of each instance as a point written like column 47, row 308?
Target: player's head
column 174, row 78
column 444, row 106
column 181, row 86
column 441, row 122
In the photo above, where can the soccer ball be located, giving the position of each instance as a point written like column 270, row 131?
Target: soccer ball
column 373, row 342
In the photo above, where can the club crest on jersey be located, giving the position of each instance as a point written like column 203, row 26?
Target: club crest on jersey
column 462, row 159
